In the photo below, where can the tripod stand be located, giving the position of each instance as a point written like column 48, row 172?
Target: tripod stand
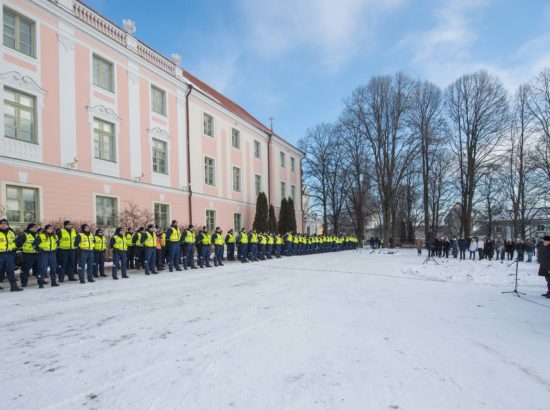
column 430, row 258
column 515, row 291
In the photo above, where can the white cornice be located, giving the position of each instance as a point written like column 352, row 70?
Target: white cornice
column 22, row 82
column 159, row 133
column 104, row 112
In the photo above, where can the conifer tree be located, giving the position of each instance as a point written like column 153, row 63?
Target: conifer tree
column 260, row 219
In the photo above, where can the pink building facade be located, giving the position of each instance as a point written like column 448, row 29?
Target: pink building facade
column 94, row 121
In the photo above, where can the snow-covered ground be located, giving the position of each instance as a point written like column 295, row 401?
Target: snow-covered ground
column 352, row 330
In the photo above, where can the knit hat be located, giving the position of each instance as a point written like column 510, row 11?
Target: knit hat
column 66, row 223
column 546, row 238
column 150, row 226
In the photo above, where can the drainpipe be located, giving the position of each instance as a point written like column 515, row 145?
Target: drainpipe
column 188, row 152
column 269, row 169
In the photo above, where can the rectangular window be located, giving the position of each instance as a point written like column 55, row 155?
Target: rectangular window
column 258, row 184
column 208, row 125
column 293, row 192
column 209, row 171
column 236, row 179
column 292, row 164
column 257, row 149
column 237, row 222
column 106, row 210
column 235, row 138
column 282, row 159
column 19, row 115
column 499, row 229
column 104, row 76
column 21, row 204
column 283, row 190
column 158, row 100
column 160, row 156
column 19, row 33
column 162, row 213
column 104, row 140
column 540, row 228
column 210, row 220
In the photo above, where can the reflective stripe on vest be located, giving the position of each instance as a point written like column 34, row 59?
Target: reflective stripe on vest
column 231, row 238
column 189, row 237
column 86, row 242
column 218, row 240
column 254, row 238
column 100, row 244
column 27, row 246
column 150, row 242
column 66, row 241
column 7, row 241
column 128, row 237
column 48, row 242
column 279, row 240
column 175, row 235
column 244, row 237
column 205, row 239
column 120, row 243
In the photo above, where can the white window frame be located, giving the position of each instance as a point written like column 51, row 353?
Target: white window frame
column 283, row 189
column 113, row 135
column 235, row 227
column 257, row 154
column 206, row 219
column 213, row 172
column 166, row 162
column 168, row 219
column 16, row 105
column 292, row 164
column 34, row 29
column 282, row 159
column 238, row 134
column 240, row 187
column 204, row 115
column 164, row 109
column 257, row 191
column 113, row 71
column 39, row 199
column 117, row 207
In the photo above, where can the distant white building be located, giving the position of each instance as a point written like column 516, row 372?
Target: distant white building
column 539, row 226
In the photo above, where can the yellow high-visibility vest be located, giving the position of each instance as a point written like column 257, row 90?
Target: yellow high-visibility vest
column 218, row 240
column 7, row 241
column 189, row 237
column 150, row 241
column 66, row 241
column 175, row 235
column 254, row 238
column 27, row 246
column 244, row 237
column 231, row 238
column 100, row 243
column 120, row 243
column 48, row 242
column 86, row 242
column 205, row 239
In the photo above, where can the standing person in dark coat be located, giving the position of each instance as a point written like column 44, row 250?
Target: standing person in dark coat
column 520, row 248
column 544, row 260
column 446, row 247
column 489, row 249
column 463, row 247
column 509, row 248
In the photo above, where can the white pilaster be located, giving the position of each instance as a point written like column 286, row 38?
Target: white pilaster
column 67, row 97
column 182, row 147
column 134, row 122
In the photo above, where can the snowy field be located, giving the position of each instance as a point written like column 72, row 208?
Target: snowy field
column 352, row 330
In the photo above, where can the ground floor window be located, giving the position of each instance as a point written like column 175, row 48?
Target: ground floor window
column 162, row 213
column 210, row 219
column 106, row 209
column 21, row 204
column 237, row 222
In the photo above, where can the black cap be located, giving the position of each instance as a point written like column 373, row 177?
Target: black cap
column 150, row 226
column 4, row 221
column 66, row 223
column 546, row 238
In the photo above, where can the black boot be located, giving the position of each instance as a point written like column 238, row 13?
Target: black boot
column 14, row 287
column 54, row 283
column 40, row 284
column 24, row 283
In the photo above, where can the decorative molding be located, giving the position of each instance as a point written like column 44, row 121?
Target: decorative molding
column 65, row 40
column 103, row 112
column 134, row 77
column 159, row 133
column 22, row 82
column 176, row 59
column 129, row 26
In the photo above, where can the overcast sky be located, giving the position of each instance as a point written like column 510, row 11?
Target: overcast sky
column 296, row 60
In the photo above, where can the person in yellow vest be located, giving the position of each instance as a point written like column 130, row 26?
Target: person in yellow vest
column 139, row 250
column 100, row 245
column 130, row 254
column 149, row 242
column 203, row 246
column 86, row 245
column 188, row 239
column 218, row 241
column 242, row 246
column 278, row 245
column 270, row 245
column 161, row 248
column 261, row 246
column 7, row 254
column 173, row 239
column 230, row 241
column 25, row 241
column 253, row 246
column 46, row 245
column 119, row 245
column 288, row 239
column 66, row 252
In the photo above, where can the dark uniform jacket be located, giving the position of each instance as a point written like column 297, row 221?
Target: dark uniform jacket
column 544, row 260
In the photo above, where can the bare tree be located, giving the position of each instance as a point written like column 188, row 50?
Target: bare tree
column 318, row 148
column 477, row 107
column 428, row 125
column 490, row 196
column 539, row 106
column 133, row 216
column 378, row 112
